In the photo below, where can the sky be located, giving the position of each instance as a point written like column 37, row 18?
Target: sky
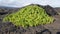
column 21, row 3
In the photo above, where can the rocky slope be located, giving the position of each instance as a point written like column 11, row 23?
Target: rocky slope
column 9, row 28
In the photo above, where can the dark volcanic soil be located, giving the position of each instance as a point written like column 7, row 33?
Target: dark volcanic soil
column 9, row 28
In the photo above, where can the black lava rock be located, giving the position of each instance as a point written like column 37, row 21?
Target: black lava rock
column 50, row 10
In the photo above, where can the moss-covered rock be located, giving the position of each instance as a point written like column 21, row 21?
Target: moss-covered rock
column 31, row 15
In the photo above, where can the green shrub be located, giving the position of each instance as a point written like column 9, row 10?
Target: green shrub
column 32, row 15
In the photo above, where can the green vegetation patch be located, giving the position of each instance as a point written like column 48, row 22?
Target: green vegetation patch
column 31, row 15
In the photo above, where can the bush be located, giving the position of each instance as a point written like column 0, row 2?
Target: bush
column 31, row 15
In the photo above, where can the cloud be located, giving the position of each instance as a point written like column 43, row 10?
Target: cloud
column 21, row 3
